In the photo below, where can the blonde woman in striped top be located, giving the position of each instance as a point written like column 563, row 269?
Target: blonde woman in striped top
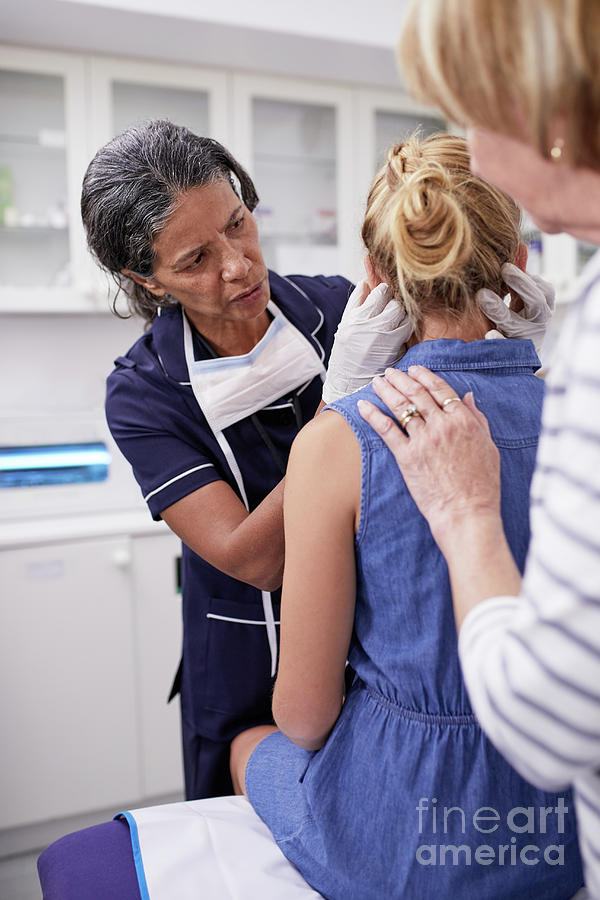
column 524, row 76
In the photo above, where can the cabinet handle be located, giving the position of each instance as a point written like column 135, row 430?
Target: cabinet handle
column 122, row 559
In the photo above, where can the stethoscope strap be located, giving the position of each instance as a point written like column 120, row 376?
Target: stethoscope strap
column 297, row 410
column 266, row 438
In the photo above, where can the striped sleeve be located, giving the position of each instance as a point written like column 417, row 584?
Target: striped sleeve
column 532, row 664
column 530, row 692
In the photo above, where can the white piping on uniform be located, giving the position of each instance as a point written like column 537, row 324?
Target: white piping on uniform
column 235, row 469
column 271, row 633
column 232, row 463
column 321, row 320
column 164, row 368
column 266, row 596
column 299, row 289
column 177, row 477
column 288, row 405
column 301, row 390
column 319, row 344
column 241, row 621
column 313, row 333
column 320, row 311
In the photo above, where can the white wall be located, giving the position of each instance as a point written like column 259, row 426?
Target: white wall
column 376, row 23
column 327, row 42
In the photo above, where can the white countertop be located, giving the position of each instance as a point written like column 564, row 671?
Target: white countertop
column 29, row 532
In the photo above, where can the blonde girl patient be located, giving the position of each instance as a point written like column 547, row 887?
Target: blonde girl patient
column 389, row 789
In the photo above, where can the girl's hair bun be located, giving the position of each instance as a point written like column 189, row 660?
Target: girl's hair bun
column 429, row 228
column 436, row 232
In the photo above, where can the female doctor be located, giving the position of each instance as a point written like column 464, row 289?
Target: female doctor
column 206, row 403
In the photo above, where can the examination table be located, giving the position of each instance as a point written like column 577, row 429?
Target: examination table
column 216, row 849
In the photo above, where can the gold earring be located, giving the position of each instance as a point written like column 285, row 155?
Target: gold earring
column 557, row 149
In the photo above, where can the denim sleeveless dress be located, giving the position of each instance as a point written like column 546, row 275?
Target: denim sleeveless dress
column 408, row 798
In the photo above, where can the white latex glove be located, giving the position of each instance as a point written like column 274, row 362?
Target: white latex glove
column 371, row 336
column 532, row 322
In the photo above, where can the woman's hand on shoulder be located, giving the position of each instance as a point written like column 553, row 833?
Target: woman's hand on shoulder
column 445, row 453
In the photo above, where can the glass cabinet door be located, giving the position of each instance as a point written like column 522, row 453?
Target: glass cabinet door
column 585, row 251
column 127, row 93
column 294, row 168
column 39, row 154
column 34, row 245
column 292, row 138
column 385, row 118
column 136, row 103
column 393, row 127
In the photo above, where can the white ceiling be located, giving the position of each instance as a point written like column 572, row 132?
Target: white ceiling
column 376, row 23
column 338, row 40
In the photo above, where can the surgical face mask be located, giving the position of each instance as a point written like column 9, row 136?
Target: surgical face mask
column 232, row 388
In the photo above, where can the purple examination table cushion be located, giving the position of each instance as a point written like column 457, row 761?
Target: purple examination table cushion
column 216, row 849
column 93, row 864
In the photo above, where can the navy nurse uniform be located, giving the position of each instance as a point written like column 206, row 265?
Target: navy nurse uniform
column 230, row 628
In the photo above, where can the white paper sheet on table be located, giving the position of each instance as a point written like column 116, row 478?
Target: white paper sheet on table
column 216, row 849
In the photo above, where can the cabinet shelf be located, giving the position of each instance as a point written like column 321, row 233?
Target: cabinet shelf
column 585, row 251
column 52, row 143
column 297, row 237
column 33, row 229
column 289, row 159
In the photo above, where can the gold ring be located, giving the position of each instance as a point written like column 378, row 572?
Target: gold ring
column 450, row 400
column 409, row 413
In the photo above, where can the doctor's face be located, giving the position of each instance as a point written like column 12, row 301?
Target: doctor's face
column 208, row 257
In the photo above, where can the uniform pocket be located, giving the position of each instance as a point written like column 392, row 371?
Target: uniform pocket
column 238, row 679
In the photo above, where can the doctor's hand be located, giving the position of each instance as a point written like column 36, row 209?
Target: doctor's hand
column 538, row 305
column 371, row 337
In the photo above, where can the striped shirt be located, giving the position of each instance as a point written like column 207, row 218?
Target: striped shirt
column 532, row 663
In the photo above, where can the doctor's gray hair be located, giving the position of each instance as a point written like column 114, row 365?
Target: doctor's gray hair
column 131, row 188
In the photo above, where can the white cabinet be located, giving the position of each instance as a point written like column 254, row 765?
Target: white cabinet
column 68, row 703
column 386, row 118
column 123, row 94
column 296, row 140
column 43, row 154
column 126, row 93
column 89, row 638
column 310, row 147
column 157, row 616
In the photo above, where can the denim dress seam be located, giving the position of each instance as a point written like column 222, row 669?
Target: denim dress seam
column 365, row 457
column 308, row 820
column 515, row 443
column 496, row 368
column 414, row 715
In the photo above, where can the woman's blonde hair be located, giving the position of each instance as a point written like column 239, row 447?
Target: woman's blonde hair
column 513, row 66
column 435, row 232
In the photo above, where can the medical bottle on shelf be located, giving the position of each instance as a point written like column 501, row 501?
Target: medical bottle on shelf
column 533, row 242
column 6, row 192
